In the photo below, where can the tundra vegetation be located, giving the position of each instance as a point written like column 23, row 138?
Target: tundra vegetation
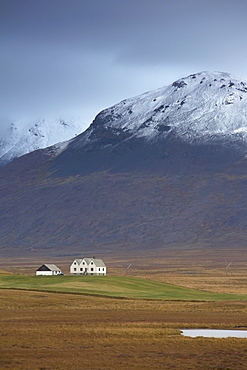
column 133, row 326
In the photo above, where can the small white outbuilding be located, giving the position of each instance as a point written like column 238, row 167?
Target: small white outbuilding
column 48, row 269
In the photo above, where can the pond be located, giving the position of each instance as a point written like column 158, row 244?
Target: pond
column 214, row 333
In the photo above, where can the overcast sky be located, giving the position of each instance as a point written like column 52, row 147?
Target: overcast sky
column 79, row 56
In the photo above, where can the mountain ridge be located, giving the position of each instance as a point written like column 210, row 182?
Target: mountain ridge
column 27, row 135
column 197, row 104
column 192, row 113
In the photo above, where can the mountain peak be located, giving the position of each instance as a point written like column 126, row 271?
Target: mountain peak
column 208, row 76
column 27, row 135
column 200, row 106
column 202, row 117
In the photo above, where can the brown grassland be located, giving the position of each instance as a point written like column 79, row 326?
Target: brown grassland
column 41, row 330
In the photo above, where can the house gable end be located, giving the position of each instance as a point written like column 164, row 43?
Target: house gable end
column 43, row 268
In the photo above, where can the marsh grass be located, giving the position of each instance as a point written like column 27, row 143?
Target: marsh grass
column 61, row 331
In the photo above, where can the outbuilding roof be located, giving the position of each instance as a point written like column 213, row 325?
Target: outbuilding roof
column 48, row 267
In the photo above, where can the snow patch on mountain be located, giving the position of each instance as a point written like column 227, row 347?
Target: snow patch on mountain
column 25, row 136
column 202, row 106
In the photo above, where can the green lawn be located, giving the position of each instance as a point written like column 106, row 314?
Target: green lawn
column 112, row 286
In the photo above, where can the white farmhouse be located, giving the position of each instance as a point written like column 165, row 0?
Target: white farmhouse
column 48, row 269
column 88, row 266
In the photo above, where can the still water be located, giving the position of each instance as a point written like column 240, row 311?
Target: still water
column 214, row 333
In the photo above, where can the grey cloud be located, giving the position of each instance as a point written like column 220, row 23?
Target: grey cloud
column 5, row 123
column 81, row 56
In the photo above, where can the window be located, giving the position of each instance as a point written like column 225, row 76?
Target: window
column 92, row 269
column 81, row 269
column 74, row 263
column 99, row 268
column 75, row 269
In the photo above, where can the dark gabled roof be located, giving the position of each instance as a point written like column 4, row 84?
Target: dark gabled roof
column 48, row 267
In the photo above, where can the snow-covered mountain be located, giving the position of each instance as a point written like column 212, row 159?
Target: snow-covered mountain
column 25, row 136
column 168, row 124
column 201, row 106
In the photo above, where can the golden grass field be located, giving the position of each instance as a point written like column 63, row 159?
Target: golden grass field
column 41, row 330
